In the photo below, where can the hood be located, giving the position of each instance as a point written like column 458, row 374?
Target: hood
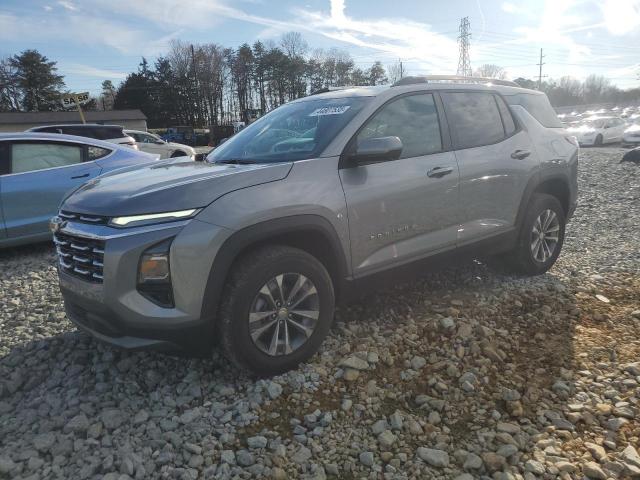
column 167, row 186
column 181, row 145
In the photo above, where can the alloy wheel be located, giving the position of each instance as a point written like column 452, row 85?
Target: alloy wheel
column 284, row 314
column 545, row 236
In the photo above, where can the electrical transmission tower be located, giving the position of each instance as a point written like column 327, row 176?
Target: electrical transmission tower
column 464, row 64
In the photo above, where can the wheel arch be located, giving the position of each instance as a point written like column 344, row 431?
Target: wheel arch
column 555, row 185
column 311, row 233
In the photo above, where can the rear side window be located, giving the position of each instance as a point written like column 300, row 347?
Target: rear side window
column 413, row 119
column 28, row 157
column 507, row 118
column 95, row 153
column 79, row 131
column 538, row 107
column 474, row 118
column 108, row 133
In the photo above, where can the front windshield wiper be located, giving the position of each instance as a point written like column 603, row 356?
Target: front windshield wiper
column 236, row 161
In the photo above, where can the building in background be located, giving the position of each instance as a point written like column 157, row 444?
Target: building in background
column 20, row 121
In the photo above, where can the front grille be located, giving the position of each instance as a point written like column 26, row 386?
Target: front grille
column 82, row 218
column 80, row 257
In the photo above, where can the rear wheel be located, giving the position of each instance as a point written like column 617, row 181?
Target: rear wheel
column 278, row 307
column 598, row 141
column 541, row 236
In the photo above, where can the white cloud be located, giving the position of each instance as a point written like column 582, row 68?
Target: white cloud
column 89, row 71
column 67, row 5
column 47, row 8
column 621, row 16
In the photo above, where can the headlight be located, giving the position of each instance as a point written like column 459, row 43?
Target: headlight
column 137, row 220
column 154, row 274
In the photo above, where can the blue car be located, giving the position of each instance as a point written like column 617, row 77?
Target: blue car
column 37, row 170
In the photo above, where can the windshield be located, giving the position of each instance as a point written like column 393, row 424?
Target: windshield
column 294, row 131
column 599, row 123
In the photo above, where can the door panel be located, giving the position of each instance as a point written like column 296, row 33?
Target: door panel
column 495, row 161
column 492, row 184
column 397, row 212
column 30, row 197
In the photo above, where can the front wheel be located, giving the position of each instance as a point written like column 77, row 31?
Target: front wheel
column 541, row 236
column 277, row 309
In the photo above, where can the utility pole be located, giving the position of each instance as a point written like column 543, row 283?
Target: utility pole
column 464, row 64
column 540, row 72
column 401, row 69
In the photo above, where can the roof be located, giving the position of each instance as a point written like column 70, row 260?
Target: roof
column 70, row 117
column 57, row 137
column 438, row 84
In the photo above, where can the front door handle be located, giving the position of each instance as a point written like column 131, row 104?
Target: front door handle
column 437, row 172
column 520, row 154
column 80, row 176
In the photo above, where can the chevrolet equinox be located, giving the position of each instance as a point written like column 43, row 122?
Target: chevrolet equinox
column 252, row 247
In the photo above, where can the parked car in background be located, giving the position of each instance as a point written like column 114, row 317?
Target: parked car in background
column 152, row 143
column 108, row 133
column 252, row 247
column 597, row 131
column 631, row 136
column 37, row 170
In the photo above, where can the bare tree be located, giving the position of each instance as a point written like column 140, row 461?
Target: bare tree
column 489, row 70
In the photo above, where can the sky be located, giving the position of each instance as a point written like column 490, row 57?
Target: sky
column 94, row 40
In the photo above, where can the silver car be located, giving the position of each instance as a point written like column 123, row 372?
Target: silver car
column 253, row 247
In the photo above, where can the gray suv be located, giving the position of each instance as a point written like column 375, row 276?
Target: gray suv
column 253, row 247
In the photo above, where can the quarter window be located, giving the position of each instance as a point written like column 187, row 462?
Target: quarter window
column 414, row 119
column 28, row 157
column 474, row 118
column 94, row 153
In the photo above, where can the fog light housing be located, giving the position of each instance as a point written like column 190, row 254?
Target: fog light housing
column 154, row 275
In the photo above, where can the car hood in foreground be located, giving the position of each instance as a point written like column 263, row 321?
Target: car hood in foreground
column 167, row 186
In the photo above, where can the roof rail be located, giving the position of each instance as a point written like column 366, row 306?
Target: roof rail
column 453, row 79
column 329, row 89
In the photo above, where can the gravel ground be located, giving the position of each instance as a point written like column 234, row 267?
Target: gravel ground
column 463, row 374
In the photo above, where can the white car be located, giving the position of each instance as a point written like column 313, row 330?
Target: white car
column 631, row 135
column 151, row 143
column 599, row 130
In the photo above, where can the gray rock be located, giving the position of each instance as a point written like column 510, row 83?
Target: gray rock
column 593, row 470
column 257, row 442
column 354, row 362
column 379, row 427
column 534, row 467
column 244, row 458
column 434, row 457
column 366, row 458
column 274, row 390
column 112, row 418
column 44, row 441
column 387, row 439
column 472, row 462
column 395, row 420
column 228, row 456
column 418, row 362
column 302, row 455
column 6, row 464
column 79, row 423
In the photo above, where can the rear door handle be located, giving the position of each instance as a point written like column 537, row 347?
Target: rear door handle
column 80, row 176
column 520, row 154
column 437, row 172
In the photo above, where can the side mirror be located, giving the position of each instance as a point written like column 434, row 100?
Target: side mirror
column 376, row 150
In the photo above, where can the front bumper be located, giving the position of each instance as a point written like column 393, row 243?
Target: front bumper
column 113, row 311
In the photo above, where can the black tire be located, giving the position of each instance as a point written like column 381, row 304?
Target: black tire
column 521, row 259
column 249, row 274
column 178, row 153
column 598, row 141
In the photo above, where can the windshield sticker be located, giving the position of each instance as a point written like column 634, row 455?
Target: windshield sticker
column 329, row 111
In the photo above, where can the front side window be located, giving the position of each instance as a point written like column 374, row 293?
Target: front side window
column 413, row 119
column 474, row 118
column 28, row 157
column 294, row 131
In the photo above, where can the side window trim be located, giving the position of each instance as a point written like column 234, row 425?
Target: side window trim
column 515, row 121
column 445, row 139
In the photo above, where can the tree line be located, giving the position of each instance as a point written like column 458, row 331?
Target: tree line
column 207, row 84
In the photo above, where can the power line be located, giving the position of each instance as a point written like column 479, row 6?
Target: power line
column 464, row 64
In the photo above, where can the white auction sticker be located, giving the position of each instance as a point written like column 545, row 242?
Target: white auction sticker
column 329, row 111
